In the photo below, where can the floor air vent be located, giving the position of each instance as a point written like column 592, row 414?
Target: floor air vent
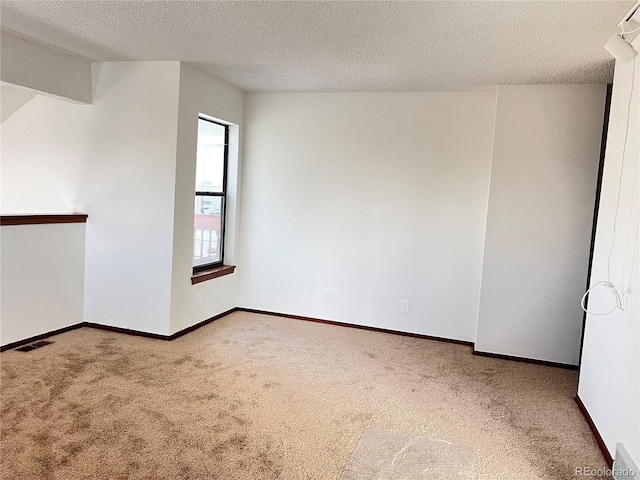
column 33, row 346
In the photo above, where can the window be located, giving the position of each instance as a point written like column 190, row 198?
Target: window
column 211, row 185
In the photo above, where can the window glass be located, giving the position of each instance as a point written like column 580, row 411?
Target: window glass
column 207, row 234
column 210, row 157
column 208, row 224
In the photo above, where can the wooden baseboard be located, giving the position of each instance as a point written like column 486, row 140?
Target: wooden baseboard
column 158, row 336
column 415, row 335
column 125, row 331
column 594, row 430
column 525, row 360
column 184, row 331
column 351, row 325
column 42, row 336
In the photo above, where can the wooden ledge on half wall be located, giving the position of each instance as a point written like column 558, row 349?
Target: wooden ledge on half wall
column 43, row 218
column 215, row 272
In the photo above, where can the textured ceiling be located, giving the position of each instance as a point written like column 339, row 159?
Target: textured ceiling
column 339, row 46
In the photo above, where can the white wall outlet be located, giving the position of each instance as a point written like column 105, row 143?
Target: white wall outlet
column 198, row 298
column 327, row 296
column 404, row 306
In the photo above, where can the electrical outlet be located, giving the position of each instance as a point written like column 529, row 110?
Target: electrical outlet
column 404, row 306
column 327, row 296
column 198, row 298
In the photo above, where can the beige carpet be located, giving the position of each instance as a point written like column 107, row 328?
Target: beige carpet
column 259, row 397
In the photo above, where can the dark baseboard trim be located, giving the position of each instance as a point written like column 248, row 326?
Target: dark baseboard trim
column 351, row 325
column 545, row 363
column 201, row 324
column 26, row 341
column 184, row 331
column 124, row 331
column 415, row 335
column 157, row 336
column 594, row 430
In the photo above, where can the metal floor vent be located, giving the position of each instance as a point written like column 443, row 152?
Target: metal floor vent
column 33, row 346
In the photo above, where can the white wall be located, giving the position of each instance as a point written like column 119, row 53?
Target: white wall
column 42, row 279
column 41, row 156
column 43, row 69
column 610, row 367
column 13, row 98
column 378, row 197
column 128, row 160
column 543, row 181
column 127, row 186
column 202, row 93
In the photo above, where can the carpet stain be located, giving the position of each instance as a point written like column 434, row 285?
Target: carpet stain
column 251, row 398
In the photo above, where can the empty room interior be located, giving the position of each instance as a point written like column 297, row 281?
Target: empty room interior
column 320, row 240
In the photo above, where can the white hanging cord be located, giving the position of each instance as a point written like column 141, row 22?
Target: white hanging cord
column 621, row 299
column 624, row 151
column 626, row 286
column 615, row 294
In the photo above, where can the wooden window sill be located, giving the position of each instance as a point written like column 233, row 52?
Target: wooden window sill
column 215, row 272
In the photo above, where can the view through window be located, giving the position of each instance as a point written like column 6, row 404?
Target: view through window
column 211, row 173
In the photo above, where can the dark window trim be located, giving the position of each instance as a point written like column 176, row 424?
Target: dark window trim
column 596, row 208
column 223, row 195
